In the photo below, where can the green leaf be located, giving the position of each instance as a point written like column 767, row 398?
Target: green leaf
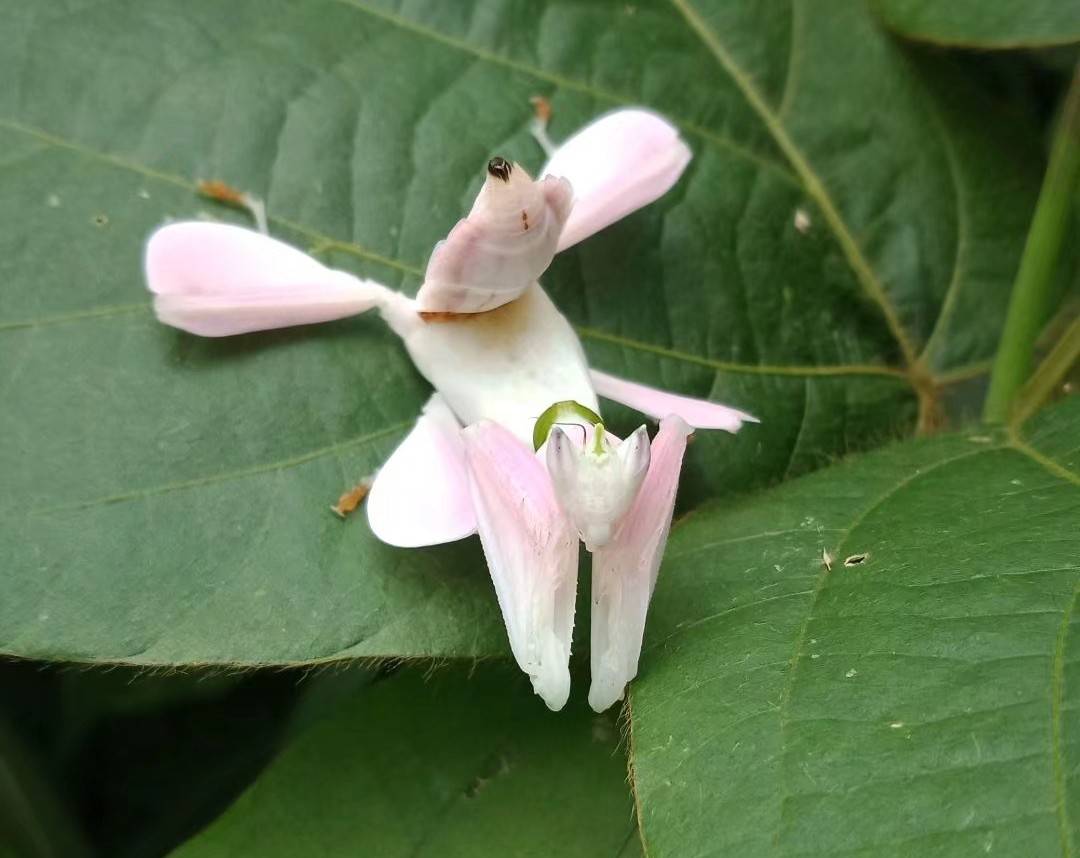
column 825, row 264
column 148, row 778
column 448, row 766
column 144, row 761
column 920, row 702
column 34, row 821
column 984, row 23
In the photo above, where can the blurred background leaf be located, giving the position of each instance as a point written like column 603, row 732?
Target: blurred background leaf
column 140, row 762
column 981, row 24
column 34, row 823
column 447, row 765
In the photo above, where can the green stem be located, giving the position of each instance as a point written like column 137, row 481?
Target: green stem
column 1031, row 292
column 1049, row 375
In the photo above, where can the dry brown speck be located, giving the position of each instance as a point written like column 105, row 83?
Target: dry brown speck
column 215, row 189
column 542, row 107
column 349, row 501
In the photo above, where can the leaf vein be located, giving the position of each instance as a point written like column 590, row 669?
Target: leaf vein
column 564, row 82
column 861, row 267
column 241, row 473
column 819, row 586
column 948, row 304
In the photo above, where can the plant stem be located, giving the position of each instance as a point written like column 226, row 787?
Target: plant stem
column 1049, row 374
column 1031, row 291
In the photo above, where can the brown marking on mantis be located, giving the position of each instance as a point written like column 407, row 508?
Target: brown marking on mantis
column 443, row 315
column 450, row 316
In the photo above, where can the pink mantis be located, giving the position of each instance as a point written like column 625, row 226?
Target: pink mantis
column 510, row 444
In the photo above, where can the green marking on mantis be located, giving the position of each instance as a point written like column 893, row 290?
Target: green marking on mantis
column 567, row 411
column 598, row 439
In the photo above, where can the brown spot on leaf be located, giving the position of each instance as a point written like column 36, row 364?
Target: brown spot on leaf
column 542, row 107
column 349, row 501
column 215, row 189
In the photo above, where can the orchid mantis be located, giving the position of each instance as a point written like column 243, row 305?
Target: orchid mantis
column 511, row 444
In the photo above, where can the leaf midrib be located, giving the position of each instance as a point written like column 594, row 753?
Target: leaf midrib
column 227, row 476
column 813, row 184
column 567, row 83
column 323, row 243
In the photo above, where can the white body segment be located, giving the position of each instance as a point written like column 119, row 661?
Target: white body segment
column 596, row 483
column 507, row 241
column 507, row 365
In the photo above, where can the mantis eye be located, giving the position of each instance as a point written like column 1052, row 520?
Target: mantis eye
column 500, row 168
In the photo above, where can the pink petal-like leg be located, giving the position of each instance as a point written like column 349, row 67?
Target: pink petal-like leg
column 624, row 571
column 699, row 413
column 531, row 551
column 217, row 280
column 622, row 161
column 421, row 495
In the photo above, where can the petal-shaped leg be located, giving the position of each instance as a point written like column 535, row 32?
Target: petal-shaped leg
column 216, row 280
column 531, row 551
column 421, row 495
column 699, row 413
column 617, row 164
column 624, row 571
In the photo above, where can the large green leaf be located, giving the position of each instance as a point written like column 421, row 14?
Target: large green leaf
column 444, row 766
column 982, row 24
column 143, row 761
column 165, row 497
column 921, row 702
